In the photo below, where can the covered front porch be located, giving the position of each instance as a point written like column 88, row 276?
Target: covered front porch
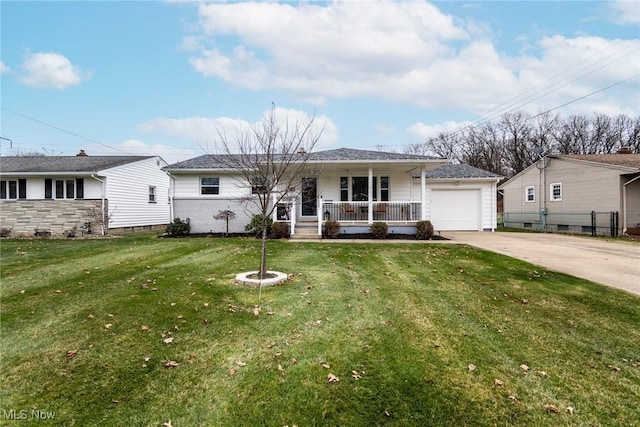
column 356, row 200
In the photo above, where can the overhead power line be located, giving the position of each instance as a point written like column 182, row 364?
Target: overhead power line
column 64, row 130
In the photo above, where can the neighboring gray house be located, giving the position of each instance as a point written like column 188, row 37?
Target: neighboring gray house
column 354, row 187
column 592, row 193
column 54, row 194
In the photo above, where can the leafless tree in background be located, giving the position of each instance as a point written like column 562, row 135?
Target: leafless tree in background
column 510, row 144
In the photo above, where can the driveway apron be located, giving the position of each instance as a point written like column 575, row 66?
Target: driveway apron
column 598, row 260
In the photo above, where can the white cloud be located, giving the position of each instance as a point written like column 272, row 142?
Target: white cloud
column 384, row 128
column 407, row 52
column 207, row 131
column 51, row 70
column 4, row 68
column 424, row 131
column 625, row 12
column 135, row 147
column 339, row 49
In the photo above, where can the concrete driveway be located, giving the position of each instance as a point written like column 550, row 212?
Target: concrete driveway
column 601, row 261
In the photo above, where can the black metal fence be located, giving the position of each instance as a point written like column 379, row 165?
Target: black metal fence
column 592, row 223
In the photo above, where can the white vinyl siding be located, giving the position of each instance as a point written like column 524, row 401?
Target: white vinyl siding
column 127, row 192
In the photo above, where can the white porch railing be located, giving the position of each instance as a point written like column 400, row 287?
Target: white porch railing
column 400, row 211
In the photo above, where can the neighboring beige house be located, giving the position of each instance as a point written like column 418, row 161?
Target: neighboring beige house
column 354, row 187
column 53, row 195
column 598, row 194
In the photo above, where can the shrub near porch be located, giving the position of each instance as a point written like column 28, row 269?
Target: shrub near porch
column 139, row 331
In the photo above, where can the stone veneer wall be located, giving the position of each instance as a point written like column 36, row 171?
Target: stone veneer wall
column 24, row 217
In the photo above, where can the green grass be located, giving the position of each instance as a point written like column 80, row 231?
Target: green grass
column 408, row 319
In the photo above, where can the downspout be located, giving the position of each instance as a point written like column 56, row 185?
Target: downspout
column 423, row 193
column 102, row 225
column 494, row 205
column 171, row 194
column 624, row 203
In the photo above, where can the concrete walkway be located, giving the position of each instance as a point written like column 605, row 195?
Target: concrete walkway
column 615, row 264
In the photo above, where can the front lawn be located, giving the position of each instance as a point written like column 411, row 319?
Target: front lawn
column 144, row 331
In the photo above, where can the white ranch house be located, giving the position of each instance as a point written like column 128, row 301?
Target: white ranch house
column 354, row 187
column 51, row 195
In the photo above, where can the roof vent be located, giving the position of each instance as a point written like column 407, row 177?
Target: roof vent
column 81, row 154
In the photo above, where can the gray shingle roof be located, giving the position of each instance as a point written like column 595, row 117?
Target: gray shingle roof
column 459, row 171
column 341, row 154
column 630, row 160
column 59, row 164
column 212, row 161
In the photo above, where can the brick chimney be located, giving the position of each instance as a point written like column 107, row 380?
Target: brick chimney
column 81, row 154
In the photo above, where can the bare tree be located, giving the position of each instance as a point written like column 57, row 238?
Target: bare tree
column 627, row 132
column 508, row 146
column 269, row 158
column 445, row 145
column 517, row 137
column 484, row 148
column 225, row 215
column 543, row 132
column 573, row 136
column 102, row 216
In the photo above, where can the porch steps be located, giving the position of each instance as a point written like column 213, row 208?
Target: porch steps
column 306, row 231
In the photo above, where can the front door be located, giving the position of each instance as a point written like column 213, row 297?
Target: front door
column 309, row 197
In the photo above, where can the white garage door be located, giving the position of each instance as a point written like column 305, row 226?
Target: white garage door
column 455, row 210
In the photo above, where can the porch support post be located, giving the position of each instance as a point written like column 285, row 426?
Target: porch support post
column 292, row 219
column 320, row 216
column 423, row 194
column 370, row 197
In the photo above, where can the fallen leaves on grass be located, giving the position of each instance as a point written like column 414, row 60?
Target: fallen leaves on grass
column 167, row 424
column 524, row 367
column 144, row 328
column 326, row 366
column 256, row 310
column 71, row 354
column 332, row 378
column 570, row 410
column 171, row 364
column 498, row 382
column 472, row 367
column 551, row 408
column 108, row 326
column 168, row 340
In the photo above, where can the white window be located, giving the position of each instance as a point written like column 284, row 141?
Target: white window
column 555, row 192
column 210, row 185
column 152, row 194
column 530, row 194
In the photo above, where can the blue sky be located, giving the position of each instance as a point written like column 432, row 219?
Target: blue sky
column 160, row 78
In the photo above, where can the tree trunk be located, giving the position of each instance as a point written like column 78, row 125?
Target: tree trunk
column 263, row 258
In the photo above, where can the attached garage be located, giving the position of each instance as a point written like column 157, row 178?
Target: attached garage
column 456, row 210
column 461, row 198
